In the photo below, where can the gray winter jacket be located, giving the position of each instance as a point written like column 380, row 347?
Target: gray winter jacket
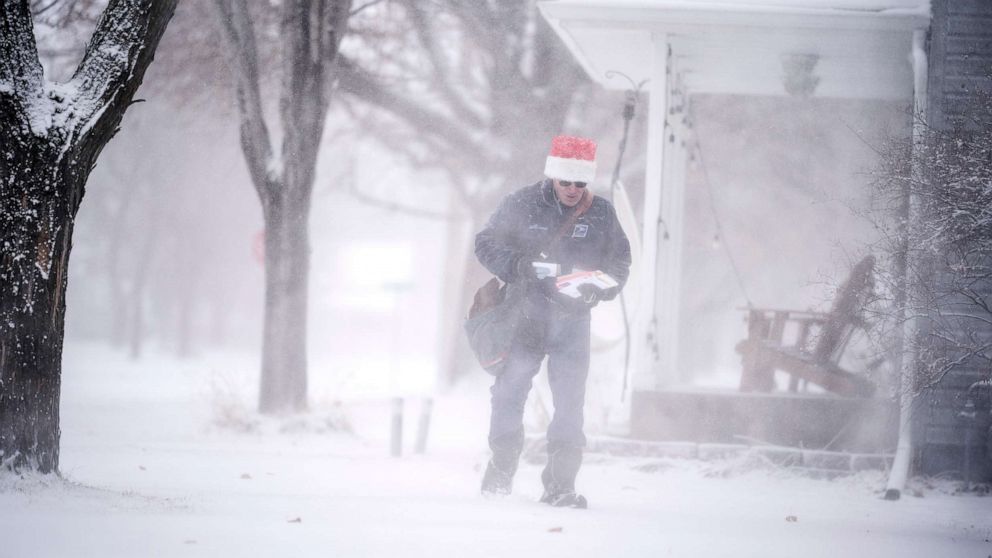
column 526, row 221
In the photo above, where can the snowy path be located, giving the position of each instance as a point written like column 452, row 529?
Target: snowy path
column 149, row 478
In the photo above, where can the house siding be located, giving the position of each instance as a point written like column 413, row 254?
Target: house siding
column 947, row 441
column 960, row 60
column 953, row 416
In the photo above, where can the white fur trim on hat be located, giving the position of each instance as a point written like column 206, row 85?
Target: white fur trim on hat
column 576, row 170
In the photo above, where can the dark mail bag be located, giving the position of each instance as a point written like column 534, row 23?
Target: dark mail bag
column 492, row 323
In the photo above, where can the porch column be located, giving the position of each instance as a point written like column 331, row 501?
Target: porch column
column 672, row 234
column 645, row 346
column 672, row 248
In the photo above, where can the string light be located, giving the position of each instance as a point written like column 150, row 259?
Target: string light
column 716, row 242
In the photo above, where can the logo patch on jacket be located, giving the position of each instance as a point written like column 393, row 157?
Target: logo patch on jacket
column 580, row 231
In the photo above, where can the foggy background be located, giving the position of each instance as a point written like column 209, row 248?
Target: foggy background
column 162, row 445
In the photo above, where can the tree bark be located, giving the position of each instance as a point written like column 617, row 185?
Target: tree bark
column 456, row 354
column 51, row 138
column 37, row 225
column 284, row 341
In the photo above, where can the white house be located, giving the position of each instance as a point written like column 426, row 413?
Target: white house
column 841, row 49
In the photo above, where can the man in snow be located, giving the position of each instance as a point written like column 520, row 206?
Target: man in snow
column 560, row 225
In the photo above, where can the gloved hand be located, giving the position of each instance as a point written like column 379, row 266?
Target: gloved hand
column 574, row 304
column 588, row 298
column 549, row 286
column 590, row 295
column 524, row 269
column 609, row 294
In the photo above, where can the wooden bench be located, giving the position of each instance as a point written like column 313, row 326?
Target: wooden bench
column 819, row 343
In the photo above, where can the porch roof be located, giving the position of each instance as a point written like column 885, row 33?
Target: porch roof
column 828, row 48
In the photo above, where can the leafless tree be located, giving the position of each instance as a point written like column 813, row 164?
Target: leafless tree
column 309, row 34
column 53, row 134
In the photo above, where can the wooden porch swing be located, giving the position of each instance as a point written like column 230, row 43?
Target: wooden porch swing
column 815, row 354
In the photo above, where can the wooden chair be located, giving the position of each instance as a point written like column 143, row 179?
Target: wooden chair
column 819, row 343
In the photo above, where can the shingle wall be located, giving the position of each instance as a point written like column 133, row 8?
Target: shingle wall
column 960, row 57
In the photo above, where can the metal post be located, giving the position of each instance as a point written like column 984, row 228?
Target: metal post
column 424, row 424
column 396, row 433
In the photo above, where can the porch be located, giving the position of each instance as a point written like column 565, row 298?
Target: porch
column 815, row 422
column 798, row 57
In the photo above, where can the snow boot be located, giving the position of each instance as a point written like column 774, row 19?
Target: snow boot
column 559, row 477
column 566, row 500
column 498, row 478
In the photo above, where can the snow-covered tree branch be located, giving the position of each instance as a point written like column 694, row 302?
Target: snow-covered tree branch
column 949, row 279
column 239, row 33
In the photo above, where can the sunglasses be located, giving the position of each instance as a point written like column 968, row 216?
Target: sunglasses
column 567, row 183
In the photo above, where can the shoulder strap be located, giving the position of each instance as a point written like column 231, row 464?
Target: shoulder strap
column 580, row 208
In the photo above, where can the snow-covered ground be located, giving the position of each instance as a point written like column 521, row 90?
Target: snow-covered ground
column 164, row 458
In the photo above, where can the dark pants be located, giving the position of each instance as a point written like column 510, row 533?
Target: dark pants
column 564, row 339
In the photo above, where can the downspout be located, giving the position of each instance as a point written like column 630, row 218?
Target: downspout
column 908, row 355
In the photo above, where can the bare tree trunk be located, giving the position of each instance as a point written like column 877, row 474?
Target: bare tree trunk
column 467, row 275
column 459, row 287
column 136, row 324
column 284, row 344
column 33, row 268
column 45, row 159
column 185, row 323
column 218, row 308
column 186, row 298
column 116, row 286
column 135, row 300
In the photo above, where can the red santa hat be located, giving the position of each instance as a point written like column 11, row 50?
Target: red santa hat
column 571, row 158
